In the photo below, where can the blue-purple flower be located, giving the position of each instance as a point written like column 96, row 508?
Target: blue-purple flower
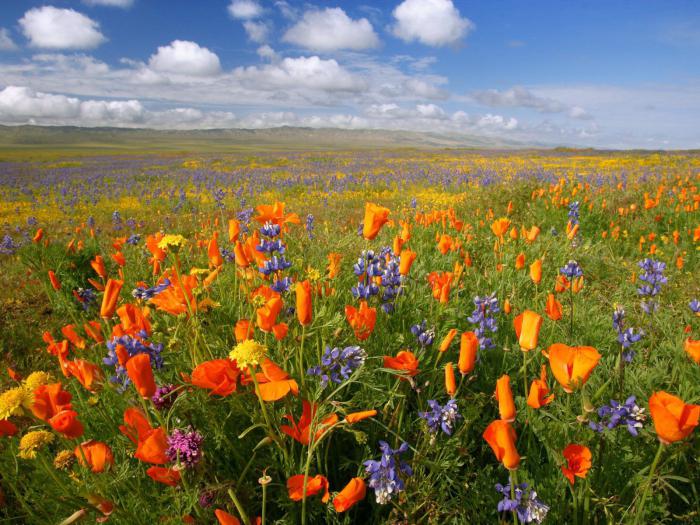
column 484, row 310
column 386, row 475
column 337, row 365
column 185, row 446
column 441, row 417
column 424, row 335
column 614, row 414
column 529, row 508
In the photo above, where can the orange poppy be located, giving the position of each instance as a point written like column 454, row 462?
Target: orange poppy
column 94, row 330
column 334, row 264
column 219, row 375
column 88, row 374
column 577, row 284
column 447, row 341
column 520, row 261
column 132, row 320
column 578, row 462
column 507, row 307
column 176, row 297
column 553, row 308
column 527, row 328
column 356, row 417
column 243, row 330
column 441, row 282
column 151, row 447
column 136, row 427
column 7, row 428
column 450, row 384
column 110, row 297
column 141, row 374
column 536, row 271
column 234, row 229
column 375, row 218
column 280, row 331
column 674, row 420
column 38, row 235
column 98, row 264
column 561, row 283
column 406, row 259
column 303, row 304
column 76, row 340
column 274, row 213
column 55, row 283
column 500, row 226
column 361, row 320
column 266, row 315
column 501, row 438
column 300, row 431
column 165, row 475
column 225, row 518
column 692, row 348
column 539, row 391
column 314, row 485
column 404, row 361
column 273, row 382
column 119, row 258
column 95, row 454
column 213, row 253
column 49, row 400
column 66, row 423
column 468, row 346
column 532, row 234
column 351, row 494
column 504, row 396
column 572, row 365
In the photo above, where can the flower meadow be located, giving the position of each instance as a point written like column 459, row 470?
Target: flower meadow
column 345, row 337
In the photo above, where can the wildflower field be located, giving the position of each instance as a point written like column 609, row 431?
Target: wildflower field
column 398, row 337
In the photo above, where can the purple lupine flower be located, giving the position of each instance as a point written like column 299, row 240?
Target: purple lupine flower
column 185, row 446
column 165, row 396
column 530, row 508
column 385, row 475
column 148, row 293
column 338, row 365
column 133, row 347
column 87, row 297
column 310, row 225
column 615, row 414
column 571, row 270
column 8, row 246
column 414, row 203
column 625, row 336
column 281, row 285
column 653, row 275
column 219, row 196
column 270, row 229
column 424, row 335
column 274, row 264
column 133, row 239
column 441, row 417
column 267, row 246
column 117, row 220
column 574, row 213
column 695, row 306
column 32, row 221
column 244, row 218
column 484, row 309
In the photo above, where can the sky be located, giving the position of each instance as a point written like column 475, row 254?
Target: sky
column 602, row 73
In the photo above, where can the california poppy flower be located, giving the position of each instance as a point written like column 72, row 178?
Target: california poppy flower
column 375, row 218
column 314, row 485
column 243, row 330
column 553, row 308
column 225, row 518
column 499, row 227
column 141, row 374
column 536, row 271
column 213, row 253
column 49, row 400
column 450, row 384
column 219, row 375
column 152, row 446
column 578, row 462
column 119, row 258
column 532, row 234
column 406, row 259
column 539, row 395
column 520, row 261
column 334, row 264
column 88, row 374
column 274, row 213
column 38, row 235
column 55, row 283
column 280, row 331
column 362, row 320
column 441, row 282
column 356, row 417
column 674, row 420
column 527, row 328
column 577, row 284
column 164, row 475
column 266, row 315
column 351, row 494
column 234, row 229
column 95, row 454
column 132, row 320
column 93, row 329
column 98, row 264
column 447, row 341
column 300, row 431
column 561, row 283
column 178, row 298
column 504, row 396
column 468, row 346
column 501, row 438
column 303, row 303
column 572, row 365
column 136, row 427
column 110, row 297
column 273, row 382
column 405, row 361
column 692, row 348
column 66, row 423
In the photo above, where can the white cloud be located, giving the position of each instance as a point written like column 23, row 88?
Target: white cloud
column 308, row 72
column 185, row 58
column 245, row 9
column 110, row 3
column 267, row 53
column 517, row 97
column 331, row 29
column 53, row 28
column 257, row 31
column 6, row 43
column 497, row 121
column 431, row 22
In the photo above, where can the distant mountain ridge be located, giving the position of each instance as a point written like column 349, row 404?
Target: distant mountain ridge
column 30, row 136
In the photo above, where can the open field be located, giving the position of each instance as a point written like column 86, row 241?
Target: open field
column 226, row 278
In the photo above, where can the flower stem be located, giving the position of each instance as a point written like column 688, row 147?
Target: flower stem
column 239, row 507
column 640, row 511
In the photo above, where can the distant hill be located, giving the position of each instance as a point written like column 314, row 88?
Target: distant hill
column 73, row 137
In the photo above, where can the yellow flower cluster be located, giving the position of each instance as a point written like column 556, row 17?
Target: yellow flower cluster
column 248, row 353
column 33, row 441
column 14, row 401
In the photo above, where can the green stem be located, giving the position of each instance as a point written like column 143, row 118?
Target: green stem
column 513, row 483
column 239, row 507
column 640, row 512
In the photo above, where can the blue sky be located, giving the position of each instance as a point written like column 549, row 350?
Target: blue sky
column 594, row 73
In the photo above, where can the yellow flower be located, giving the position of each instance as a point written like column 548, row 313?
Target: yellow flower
column 64, row 460
column 171, row 242
column 33, row 441
column 12, row 402
column 313, row 274
column 37, row 379
column 248, row 353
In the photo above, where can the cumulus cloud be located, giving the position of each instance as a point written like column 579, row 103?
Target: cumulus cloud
column 309, row 72
column 245, row 9
column 186, row 58
column 267, row 53
column 256, row 31
column 53, row 28
column 331, row 29
column 431, row 22
column 110, row 3
column 6, row 43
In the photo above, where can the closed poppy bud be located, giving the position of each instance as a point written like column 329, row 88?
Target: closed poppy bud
column 450, row 384
column 98, row 264
column 527, row 328
column 578, row 462
column 447, row 341
column 356, row 417
column 514, row 233
column 66, row 423
column 38, row 235
column 304, row 310
column 225, row 518
column 110, row 297
column 55, row 283
column 398, row 244
column 679, row 262
column 504, row 396
column 577, row 284
column 536, row 271
column 375, row 218
column 352, row 493
column 141, row 374
column 406, row 261
column 674, row 420
column 234, row 228
column 240, row 255
column 507, row 307
column 572, row 365
column 553, row 308
column 520, row 261
column 468, row 345
column 692, row 348
column 213, row 253
column 95, row 454
column 501, row 438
